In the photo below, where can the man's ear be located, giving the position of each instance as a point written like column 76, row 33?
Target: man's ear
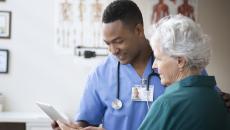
column 139, row 30
column 181, row 62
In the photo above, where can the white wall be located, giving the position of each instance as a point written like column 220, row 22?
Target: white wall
column 38, row 72
column 214, row 18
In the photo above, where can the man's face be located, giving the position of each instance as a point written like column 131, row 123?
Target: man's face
column 123, row 42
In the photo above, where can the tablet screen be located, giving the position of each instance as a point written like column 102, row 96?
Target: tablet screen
column 52, row 112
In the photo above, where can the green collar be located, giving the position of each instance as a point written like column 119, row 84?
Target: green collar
column 192, row 81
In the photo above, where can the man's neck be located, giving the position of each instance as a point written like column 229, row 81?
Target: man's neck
column 142, row 60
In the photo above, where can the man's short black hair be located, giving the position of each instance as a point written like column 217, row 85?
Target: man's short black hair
column 125, row 10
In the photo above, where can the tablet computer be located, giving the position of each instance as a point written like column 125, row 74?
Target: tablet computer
column 52, row 112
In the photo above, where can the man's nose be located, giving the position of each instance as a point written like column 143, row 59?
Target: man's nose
column 113, row 49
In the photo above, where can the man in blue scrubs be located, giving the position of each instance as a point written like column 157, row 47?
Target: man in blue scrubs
column 123, row 32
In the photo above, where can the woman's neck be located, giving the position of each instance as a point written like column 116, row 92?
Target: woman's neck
column 188, row 72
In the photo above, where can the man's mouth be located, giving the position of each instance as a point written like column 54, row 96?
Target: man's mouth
column 120, row 57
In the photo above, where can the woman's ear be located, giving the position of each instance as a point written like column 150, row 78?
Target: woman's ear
column 182, row 62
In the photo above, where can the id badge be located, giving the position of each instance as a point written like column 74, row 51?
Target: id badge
column 140, row 93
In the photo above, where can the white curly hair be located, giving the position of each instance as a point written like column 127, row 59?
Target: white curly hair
column 180, row 36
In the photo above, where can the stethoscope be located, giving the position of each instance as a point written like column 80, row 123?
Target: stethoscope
column 117, row 103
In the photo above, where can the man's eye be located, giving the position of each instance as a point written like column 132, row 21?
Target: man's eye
column 120, row 41
column 106, row 43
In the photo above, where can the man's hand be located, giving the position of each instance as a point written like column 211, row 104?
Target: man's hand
column 74, row 126
column 92, row 128
column 55, row 126
column 226, row 97
column 69, row 126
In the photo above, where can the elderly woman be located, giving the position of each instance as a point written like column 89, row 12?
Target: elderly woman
column 190, row 101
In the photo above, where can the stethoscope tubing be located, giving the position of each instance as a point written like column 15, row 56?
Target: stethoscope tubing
column 117, row 103
column 118, row 81
column 153, row 73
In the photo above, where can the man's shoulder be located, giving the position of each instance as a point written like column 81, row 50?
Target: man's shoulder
column 106, row 65
column 108, row 62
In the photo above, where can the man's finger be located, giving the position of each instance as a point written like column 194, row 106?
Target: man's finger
column 55, row 126
column 92, row 128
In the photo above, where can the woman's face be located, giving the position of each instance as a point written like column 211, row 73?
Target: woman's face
column 167, row 66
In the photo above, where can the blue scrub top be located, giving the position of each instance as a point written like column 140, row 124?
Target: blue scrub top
column 101, row 89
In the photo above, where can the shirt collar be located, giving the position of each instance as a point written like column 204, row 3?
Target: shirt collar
column 192, row 81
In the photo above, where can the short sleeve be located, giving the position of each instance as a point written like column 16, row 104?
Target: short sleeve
column 91, row 107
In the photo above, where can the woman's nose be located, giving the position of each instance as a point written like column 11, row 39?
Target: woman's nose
column 154, row 66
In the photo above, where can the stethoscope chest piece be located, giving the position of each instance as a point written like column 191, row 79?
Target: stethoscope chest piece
column 117, row 104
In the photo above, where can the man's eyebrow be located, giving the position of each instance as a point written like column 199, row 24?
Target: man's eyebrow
column 117, row 38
